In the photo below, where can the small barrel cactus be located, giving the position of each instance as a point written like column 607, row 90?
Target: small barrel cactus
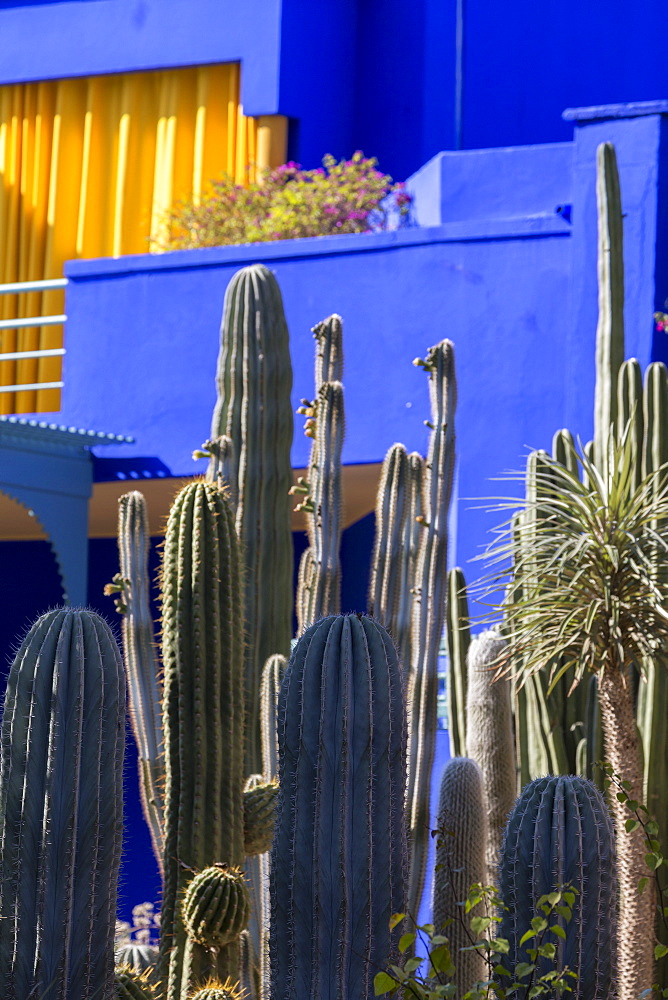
column 259, row 814
column 133, row 985
column 560, row 832
column 217, row 991
column 216, row 906
column 139, row 957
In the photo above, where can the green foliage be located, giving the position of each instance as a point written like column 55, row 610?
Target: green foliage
column 430, row 978
column 288, row 202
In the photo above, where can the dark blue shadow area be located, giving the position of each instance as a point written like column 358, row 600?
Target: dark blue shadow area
column 356, row 552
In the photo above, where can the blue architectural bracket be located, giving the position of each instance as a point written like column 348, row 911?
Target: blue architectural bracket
column 48, row 469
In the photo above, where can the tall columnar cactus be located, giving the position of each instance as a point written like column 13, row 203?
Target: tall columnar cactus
column 458, row 638
column 399, row 508
column 61, row 810
column 339, row 854
column 610, row 329
column 319, row 587
column 461, row 853
column 254, row 411
column 141, row 663
column 203, row 717
column 489, row 736
column 560, row 832
column 429, row 608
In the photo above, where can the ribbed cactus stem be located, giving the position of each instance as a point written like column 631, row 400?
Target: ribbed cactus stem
column 339, row 854
column 560, row 832
column 320, row 578
column 61, row 810
column 203, row 716
column 461, row 851
column 254, row 410
column 630, row 411
column 489, row 736
column 399, row 504
column 429, row 609
column 610, row 329
column 272, row 677
column 329, row 350
column 141, row 663
column 458, row 638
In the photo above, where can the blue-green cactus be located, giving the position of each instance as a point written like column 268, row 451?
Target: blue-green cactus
column 560, row 832
column 339, row 854
column 61, row 810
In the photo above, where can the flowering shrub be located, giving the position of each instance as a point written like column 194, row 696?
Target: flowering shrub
column 352, row 196
column 661, row 320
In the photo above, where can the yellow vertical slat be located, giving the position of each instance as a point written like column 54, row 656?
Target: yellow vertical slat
column 12, row 112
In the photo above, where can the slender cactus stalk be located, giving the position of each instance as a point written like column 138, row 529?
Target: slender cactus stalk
column 429, row 610
column 141, row 663
column 458, row 635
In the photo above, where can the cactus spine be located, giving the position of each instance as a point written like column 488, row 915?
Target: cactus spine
column 253, row 410
column 203, row 717
column 63, row 729
column 429, row 608
column 489, row 737
column 144, row 687
column 461, row 851
column 339, row 853
column 560, row 832
column 318, row 592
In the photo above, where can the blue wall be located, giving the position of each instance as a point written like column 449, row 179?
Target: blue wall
column 360, row 74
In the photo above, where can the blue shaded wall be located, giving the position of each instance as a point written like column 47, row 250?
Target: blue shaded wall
column 361, row 74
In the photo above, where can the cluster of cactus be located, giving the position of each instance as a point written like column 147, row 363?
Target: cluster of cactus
column 225, row 716
column 562, row 731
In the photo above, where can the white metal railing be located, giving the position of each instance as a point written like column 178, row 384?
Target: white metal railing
column 15, row 288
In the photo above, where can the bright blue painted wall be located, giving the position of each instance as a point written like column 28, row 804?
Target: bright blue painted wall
column 360, row 74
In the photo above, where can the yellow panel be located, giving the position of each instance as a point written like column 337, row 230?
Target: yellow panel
column 90, row 166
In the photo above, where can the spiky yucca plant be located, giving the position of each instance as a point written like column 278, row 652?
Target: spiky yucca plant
column 583, row 551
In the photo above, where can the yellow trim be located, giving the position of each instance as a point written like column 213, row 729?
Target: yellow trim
column 89, row 167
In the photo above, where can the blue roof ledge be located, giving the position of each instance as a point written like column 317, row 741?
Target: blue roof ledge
column 607, row 112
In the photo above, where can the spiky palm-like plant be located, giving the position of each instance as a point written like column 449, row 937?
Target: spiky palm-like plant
column 583, row 551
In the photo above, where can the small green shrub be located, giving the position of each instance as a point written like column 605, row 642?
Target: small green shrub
column 352, row 196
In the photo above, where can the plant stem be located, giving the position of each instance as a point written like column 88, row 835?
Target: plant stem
column 636, row 915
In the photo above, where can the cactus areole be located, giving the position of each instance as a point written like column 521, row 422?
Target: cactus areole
column 339, row 854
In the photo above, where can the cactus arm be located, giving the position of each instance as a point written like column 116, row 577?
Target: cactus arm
column 610, row 328
column 141, row 664
column 458, row 637
column 272, row 676
column 203, row 715
column 429, row 609
column 61, row 774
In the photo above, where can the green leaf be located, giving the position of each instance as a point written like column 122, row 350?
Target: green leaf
column 642, row 884
column 527, row 936
column 653, row 861
column 501, row 945
column 395, row 919
column 441, row 960
column 569, row 898
column 382, row 983
column 479, row 924
column 547, row 950
column 660, row 950
column 631, row 824
column 523, row 969
column 539, row 924
column 412, row 964
column 406, row 940
column 559, row 931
